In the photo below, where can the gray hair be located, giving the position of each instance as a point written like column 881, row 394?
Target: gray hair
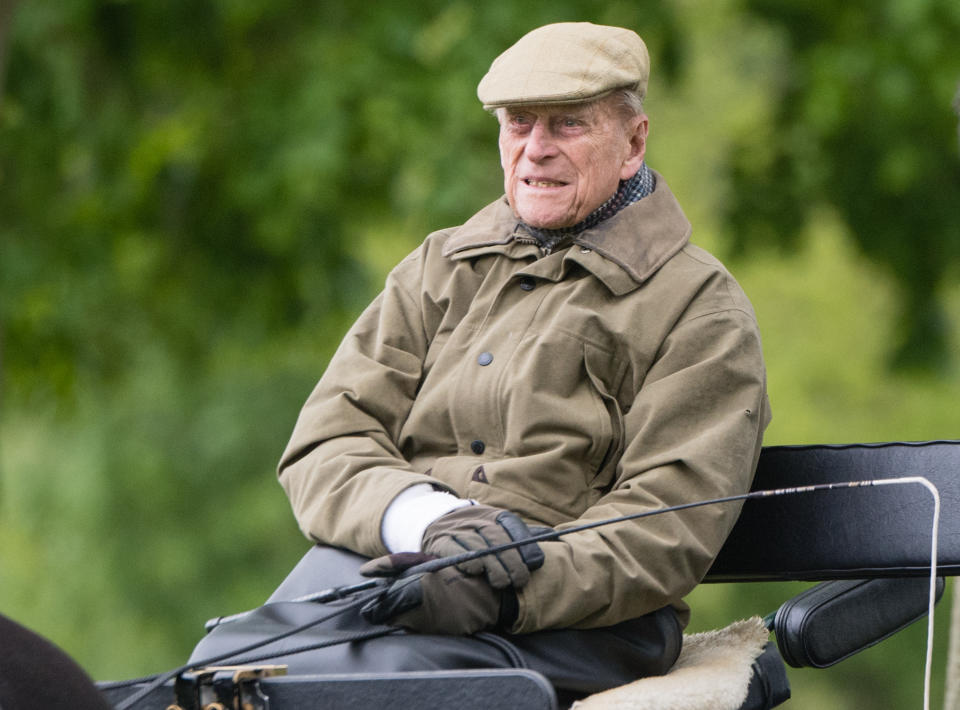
column 630, row 102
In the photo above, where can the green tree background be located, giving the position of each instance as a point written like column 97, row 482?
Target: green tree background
column 198, row 196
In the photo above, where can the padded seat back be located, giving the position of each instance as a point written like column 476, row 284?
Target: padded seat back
column 850, row 533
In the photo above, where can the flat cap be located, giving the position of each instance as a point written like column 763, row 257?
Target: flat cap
column 567, row 62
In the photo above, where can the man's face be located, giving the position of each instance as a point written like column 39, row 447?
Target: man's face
column 562, row 162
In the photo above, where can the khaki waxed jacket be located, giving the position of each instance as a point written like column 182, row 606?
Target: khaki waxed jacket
column 621, row 374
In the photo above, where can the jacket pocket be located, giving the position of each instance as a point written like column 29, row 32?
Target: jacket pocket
column 605, row 372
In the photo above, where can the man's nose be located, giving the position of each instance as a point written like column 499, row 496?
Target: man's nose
column 540, row 142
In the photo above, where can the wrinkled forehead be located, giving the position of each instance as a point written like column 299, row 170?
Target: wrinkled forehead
column 584, row 109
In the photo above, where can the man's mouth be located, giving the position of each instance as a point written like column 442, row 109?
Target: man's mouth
column 540, row 182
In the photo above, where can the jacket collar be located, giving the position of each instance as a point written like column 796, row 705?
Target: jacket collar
column 622, row 251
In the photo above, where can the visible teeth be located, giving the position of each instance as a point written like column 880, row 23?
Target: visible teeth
column 543, row 183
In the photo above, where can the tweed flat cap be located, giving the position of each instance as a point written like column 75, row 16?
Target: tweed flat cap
column 567, row 62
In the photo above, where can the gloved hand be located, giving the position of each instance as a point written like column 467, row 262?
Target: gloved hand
column 442, row 602
column 478, row 527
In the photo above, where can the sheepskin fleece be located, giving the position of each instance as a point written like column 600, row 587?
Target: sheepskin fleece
column 712, row 673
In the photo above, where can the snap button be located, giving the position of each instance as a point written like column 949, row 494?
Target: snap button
column 477, row 447
column 585, row 250
column 485, row 358
column 527, row 283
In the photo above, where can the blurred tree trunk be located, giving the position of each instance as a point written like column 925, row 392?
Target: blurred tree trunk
column 6, row 19
column 952, row 698
column 956, row 108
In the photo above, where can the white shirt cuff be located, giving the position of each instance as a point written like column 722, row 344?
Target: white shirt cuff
column 409, row 514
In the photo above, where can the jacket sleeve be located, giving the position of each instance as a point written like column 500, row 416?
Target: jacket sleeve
column 693, row 432
column 342, row 466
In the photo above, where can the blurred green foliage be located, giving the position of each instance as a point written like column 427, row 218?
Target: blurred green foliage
column 863, row 122
column 197, row 197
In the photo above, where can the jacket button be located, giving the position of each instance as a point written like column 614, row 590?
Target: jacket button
column 485, row 358
column 527, row 283
column 477, row 447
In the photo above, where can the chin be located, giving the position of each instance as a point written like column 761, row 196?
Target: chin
column 548, row 225
column 547, row 212
column 541, row 220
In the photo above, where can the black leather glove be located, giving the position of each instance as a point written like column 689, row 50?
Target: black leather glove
column 478, row 527
column 442, row 602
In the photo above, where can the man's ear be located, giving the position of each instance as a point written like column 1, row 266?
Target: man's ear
column 637, row 128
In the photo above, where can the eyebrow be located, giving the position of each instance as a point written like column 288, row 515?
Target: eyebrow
column 552, row 112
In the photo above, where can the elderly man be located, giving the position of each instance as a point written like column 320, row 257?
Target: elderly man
column 563, row 357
